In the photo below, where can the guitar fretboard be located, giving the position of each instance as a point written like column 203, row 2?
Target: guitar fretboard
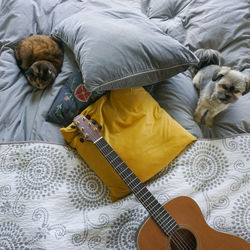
column 155, row 209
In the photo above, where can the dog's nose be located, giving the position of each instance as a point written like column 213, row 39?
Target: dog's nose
column 227, row 96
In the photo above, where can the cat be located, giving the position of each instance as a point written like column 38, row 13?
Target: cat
column 40, row 58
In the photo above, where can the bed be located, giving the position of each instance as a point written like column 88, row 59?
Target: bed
column 51, row 199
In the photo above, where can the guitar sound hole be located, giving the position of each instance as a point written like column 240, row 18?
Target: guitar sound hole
column 182, row 239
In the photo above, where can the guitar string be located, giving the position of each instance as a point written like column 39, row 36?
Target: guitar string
column 176, row 236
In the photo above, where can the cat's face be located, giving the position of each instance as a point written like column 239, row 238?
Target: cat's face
column 41, row 73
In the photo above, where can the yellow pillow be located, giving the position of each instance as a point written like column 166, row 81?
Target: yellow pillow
column 138, row 129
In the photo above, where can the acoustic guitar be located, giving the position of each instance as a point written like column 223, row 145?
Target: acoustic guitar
column 177, row 225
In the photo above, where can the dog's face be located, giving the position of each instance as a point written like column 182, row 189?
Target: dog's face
column 230, row 84
column 41, row 74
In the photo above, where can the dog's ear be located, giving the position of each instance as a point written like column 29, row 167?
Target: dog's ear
column 247, row 80
column 220, row 72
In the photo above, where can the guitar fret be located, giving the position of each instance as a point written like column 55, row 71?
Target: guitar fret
column 171, row 221
column 120, row 168
column 108, row 155
column 163, row 216
column 103, row 146
column 152, row 199
column 170, row 227
column 111, row 156
column 106, row 150
column 129, row 179
column 117, row 162
column 128, row 176
column 145, row 200
column 139, row 186
column 123, row 173
column 156, row 204
column 114, row 159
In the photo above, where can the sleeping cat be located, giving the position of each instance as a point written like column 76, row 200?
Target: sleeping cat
column 40, row 58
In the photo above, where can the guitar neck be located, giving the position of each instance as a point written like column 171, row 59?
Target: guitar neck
column 155, row 209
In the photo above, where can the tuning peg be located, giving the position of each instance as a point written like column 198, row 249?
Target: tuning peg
column 72, row 126
column 100, row 126
column 88, row 117
column 93, row 121
column 81, row 140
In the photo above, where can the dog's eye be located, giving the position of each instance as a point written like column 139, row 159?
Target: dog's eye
column 224, row 86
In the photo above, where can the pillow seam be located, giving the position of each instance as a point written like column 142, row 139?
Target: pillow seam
column 140, row 73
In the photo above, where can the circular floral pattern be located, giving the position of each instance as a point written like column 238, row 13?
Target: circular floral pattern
column 86, row 189
column 11, row 236
column 122, row 233
column 241, row 216
column 230, row 144
column 244, row 147
column 205, row 166
column 165, row 174
column 9, row 159
column 241, row 166
column 41, row 172
column 219, row 223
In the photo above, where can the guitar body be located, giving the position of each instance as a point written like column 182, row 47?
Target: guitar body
column 193, row 229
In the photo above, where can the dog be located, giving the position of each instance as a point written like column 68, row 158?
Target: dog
column 218, row 86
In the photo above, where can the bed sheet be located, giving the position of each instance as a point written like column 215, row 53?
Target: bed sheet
column 50, row 199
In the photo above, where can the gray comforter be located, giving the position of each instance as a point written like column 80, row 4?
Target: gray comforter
column 222, row 25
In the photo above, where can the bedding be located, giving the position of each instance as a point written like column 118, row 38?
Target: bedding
column 51, row 199
column 193, row 23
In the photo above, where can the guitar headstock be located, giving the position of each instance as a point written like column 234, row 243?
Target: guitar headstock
column 87, row 128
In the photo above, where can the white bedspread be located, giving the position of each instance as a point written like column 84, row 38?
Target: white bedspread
column 50, row 199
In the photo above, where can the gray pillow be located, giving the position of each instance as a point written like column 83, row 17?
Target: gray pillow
column 118, row 48
column 178, row 97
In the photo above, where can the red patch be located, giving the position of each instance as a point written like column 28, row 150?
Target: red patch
column 81, row 93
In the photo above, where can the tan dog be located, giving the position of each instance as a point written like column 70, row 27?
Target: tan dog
column 218, row 86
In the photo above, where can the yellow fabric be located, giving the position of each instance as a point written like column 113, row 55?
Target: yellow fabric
column 138, row 129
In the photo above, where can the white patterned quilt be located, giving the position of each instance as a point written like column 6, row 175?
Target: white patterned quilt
column 50, row 199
